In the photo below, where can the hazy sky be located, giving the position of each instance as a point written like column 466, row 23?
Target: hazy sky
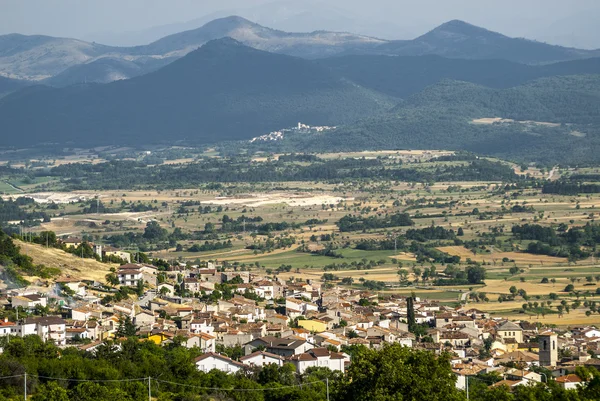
column 398, row 18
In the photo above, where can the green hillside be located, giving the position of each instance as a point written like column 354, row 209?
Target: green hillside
column 402, row 76
column 441, row 117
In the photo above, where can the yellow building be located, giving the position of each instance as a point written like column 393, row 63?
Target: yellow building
column 158, row 338
column 315, row 326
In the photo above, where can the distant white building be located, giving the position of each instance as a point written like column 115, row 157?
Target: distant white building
column 49, row 328
column 28, row 302
column 320, row 357
column 211, row 360
column 261, row 358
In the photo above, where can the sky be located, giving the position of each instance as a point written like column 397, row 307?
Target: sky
column 131, row 21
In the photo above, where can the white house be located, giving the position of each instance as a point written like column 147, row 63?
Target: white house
column 211, row 360
column 204, row 341
column 201, row 326
column 264, row 289
column 49, row 328
column 76, row 286
column 129, row 274
column 7, row 328
column 28, row 302
column 570, row 382
column 261, row 358
column 319, row 357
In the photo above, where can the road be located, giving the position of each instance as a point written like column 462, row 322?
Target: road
column 150, row 295
column 552, row 172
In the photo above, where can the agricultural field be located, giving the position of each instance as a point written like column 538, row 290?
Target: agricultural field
column 356, row 227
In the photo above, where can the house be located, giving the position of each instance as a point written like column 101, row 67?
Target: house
column 130, row 275
column 570, row 382
column 265, row 289
column 72, row 242
column 319, row 357
column 510, row 384
column 510, row 330
column 230, row 275
column 285, row 347
column 165, row 288
column 192, row 285
column 209, row 275
column 28, row 302
column 204, row 341
column 48, row 328
column 72, row 333
column 314, row 325
column 211, row 360
column 297, row 307
column 201, row 326
column 144, row 319
column 109, row 251
column 7, row 328
column 261, row 358
column 74, row 286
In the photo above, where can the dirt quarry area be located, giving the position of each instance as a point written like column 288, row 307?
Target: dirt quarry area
column 55, row 197
column 499, row 120
column 291, row 199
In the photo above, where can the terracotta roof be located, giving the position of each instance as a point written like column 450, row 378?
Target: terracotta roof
column 572, row 378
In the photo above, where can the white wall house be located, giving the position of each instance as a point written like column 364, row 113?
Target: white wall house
column 211, row 360
column 319, row 357
column 129, row 275
column 49, row 328
column 261, row 358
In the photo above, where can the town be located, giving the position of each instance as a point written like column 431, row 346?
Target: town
column 241, row 319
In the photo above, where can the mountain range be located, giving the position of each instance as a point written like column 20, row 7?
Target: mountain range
column 441, row 90
column 222, row 91
column 63, row 61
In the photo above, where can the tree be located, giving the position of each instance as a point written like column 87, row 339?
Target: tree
column 154, row 232
column 126, row 327
column 51, row 392
column 460, row 232
column 475, row 274
column 398, row 373
column 569, row 288
column 410, row 306
column 112, row 279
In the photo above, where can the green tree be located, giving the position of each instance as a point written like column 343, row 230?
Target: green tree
column 50, row 391
column 398, row 373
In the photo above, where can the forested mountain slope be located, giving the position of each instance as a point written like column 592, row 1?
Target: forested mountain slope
column 556, row 120
column 223, row 91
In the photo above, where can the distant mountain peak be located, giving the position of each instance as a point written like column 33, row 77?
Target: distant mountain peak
column 231, row 22
column 461, row 28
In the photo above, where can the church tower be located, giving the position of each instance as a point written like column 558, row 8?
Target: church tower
column 548, row 344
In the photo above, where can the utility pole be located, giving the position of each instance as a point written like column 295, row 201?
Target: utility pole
column 327, row 386
column 149, row 389
column 467, row 384
column 25, row 386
